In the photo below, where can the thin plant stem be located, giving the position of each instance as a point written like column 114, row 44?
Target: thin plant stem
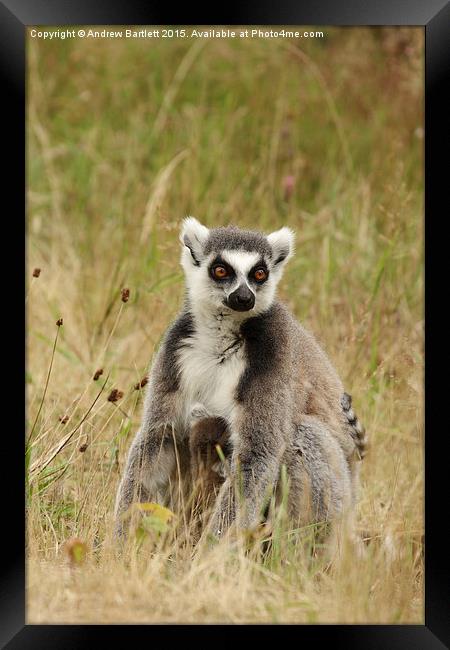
column 46, row 386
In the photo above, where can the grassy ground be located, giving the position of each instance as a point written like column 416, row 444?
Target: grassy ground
column 124, row 139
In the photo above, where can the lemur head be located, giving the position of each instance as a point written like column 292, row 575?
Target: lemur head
column 232, row 270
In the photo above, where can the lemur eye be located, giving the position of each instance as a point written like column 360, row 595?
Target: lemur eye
column 220, row 272
column 260, row 275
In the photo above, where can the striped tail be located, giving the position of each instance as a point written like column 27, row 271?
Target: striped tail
column 357, row 430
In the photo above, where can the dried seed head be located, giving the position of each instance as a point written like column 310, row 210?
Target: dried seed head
column 59, row 322
column 125, row 295
column 115, row 395
column 64, row 419
column 83, row 447
column 36, row 273
column 97, row 374
column 141, row 383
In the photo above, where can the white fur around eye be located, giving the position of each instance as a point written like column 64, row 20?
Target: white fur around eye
column 241, row 261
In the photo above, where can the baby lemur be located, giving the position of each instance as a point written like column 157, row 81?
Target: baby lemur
column 319, row 480
column 207, row 433
column 240, row 353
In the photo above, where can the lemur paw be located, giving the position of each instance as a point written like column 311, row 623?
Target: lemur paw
column 199, row 412
column 219, row 469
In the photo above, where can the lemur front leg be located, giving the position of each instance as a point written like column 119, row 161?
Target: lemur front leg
column 152, row 455
column 149, row 464
column 255, row 466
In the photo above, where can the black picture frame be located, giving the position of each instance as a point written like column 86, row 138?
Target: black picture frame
column 434, row 17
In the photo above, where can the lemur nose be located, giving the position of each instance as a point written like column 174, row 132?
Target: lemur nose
column 242, row 299
column 245, row 300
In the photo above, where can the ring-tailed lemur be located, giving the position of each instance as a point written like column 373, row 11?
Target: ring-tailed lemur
column 238, row 351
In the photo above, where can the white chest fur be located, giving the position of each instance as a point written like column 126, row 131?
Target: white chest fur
column 211, row 364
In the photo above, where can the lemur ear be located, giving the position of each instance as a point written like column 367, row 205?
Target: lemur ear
column 282, row 243
column 194, row 235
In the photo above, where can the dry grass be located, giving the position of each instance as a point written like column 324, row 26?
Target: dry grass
column 124, row 139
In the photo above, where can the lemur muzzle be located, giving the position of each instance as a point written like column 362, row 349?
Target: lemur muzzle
column 242, row 299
